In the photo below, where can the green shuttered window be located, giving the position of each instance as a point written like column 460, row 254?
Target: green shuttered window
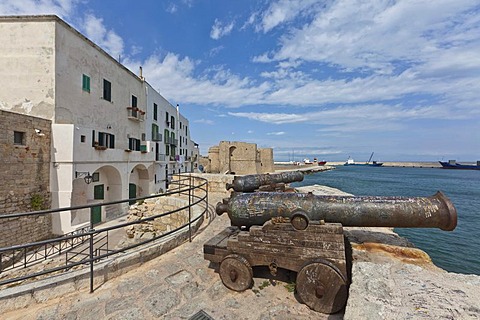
column 86, row 83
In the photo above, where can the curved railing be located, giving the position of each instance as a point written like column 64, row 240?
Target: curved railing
column 90, row 245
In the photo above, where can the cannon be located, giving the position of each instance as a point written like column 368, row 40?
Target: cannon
column 247, row 209
column 303, row 233
column 250, row 183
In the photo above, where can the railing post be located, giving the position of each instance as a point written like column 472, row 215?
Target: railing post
column 91, row 254
column 190, row 207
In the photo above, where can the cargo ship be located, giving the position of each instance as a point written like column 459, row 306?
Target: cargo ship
column 452, row 164
column 350, row 162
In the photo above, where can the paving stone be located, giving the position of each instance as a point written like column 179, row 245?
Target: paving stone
column 130, row 286
column 128, row 314
column 179, row 278
column 117, row 304
column 191, row 290
column 160, row 302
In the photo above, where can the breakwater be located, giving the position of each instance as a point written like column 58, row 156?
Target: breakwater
column 411, row 164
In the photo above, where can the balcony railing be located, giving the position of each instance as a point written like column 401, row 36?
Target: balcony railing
column 156, row 136
column 171, row 141
column 159, row 157
column 135, row 114
column 91, row 246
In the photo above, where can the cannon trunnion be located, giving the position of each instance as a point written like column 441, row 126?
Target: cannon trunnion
column 316, row 253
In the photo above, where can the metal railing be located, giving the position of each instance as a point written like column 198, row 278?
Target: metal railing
column 90, row 245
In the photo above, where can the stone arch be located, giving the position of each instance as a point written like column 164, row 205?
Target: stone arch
column 106, row 187
column 140, row 177
column 231, row 149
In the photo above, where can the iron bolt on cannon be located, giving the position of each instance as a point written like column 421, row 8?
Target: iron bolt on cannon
column 303, row 233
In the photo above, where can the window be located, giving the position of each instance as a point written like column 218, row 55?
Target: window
column 18, row 138
column 134, row 101
column 167, row 150
column 186, row 131
column 155, row 111
column 144, row 137
column 96, row 177
column 180, row 125
column 106, row 139
column 86, row 83
column 83, row 139
column 166, row 135
column 107, row 90
column 154, row 132
column 167, row 119
column 134, row 144
column 172, row 122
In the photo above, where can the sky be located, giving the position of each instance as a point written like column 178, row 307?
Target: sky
column 324, row 79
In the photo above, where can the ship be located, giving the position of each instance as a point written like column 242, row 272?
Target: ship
column 351, row 162
column 452, row 164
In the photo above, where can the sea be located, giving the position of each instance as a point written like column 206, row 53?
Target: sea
column 455, row 251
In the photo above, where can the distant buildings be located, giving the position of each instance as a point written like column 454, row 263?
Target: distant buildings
column 109, row 127
column 238, row 158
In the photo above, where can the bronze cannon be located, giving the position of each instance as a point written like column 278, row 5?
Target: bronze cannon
column 247, row 209
column 250, row 183
column 303, row 233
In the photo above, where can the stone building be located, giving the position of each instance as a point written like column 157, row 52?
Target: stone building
column 107, row 123
column 232, row 157
column 25, row 177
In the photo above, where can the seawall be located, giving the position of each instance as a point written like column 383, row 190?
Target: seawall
column 411, row 164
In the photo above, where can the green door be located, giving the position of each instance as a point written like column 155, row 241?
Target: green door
column 96, row 212
column 132, row 192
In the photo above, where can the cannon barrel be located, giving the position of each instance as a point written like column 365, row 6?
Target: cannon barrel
column 249, row 209
column 250, row 183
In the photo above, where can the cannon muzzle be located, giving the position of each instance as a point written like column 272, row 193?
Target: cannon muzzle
column 250, row 183
column 249, row 209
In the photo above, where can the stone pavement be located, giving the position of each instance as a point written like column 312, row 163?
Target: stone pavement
column 177, row 285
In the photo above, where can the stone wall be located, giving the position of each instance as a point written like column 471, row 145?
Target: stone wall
column 239, row 158
column 154, row 228
column 25, row 176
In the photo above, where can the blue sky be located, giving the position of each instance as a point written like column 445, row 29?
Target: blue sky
column 325, row 79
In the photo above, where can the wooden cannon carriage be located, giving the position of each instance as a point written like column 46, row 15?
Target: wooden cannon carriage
column 317, row 254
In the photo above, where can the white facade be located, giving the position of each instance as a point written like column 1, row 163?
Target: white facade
column 102, row 115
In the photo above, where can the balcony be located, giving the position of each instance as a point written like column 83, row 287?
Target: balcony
column 171, row 141
column 135, row 114
column 159, row 157
column 156, row 136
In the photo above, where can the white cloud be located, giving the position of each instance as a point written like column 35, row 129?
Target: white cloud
column 172, row 8
column 376, row 35
column 219, row 30
column 98, row 33
column 282, row 11
column 204, row 121
column 277, row 133
column 372, row 118
column 174, row 77
column 61, row 8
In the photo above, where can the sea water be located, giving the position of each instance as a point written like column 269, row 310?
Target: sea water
column 456, row 251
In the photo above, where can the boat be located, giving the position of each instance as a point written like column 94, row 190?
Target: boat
column 452, row 164
column 322, row 163
column 351, row 162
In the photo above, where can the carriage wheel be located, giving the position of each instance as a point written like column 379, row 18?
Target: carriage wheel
column 321, row 287
column 236, row 273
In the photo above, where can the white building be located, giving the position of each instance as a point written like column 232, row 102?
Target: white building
column 108, row 123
